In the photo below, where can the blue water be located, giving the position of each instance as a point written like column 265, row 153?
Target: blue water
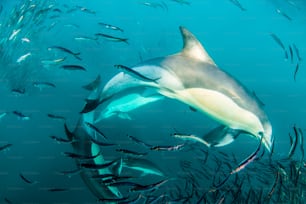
column 239, row 41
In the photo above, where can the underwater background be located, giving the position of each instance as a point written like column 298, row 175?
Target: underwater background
column 261, row 43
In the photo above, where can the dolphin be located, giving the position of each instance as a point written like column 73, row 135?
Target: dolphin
column 82, row 135
column 192, row 77
column 189, row 76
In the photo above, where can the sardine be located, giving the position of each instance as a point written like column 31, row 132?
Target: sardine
column 283, row 14
column 154, row 5
column 14, row 34
column 8, row 201
column 80, row 156
column 242, row 165
column 238, row 4
column 27, row 180
column 73, row 67
column 99, row 166
column 139, row 141
column 273, row 187
column 113, row 200
column 134, row 73
column 86, row 10
column 95, row 129
column 102, row 144
column 132, row 153
column 291, row 53
column 18, row 91
column 111, row 27
column 26, row 40
column 20, row 115
column 85, row 38
column 42, row 85
column 23, row 57
column 296, row 50
column 2, row 115
column 56, row 117
column 76, row 55
column 70, row 173
column 192, row 138
column 4, row 147
column 60, row 140
column 168, row 148
column 57, row 189
column 294, row 144
column 149, row 187
column 296, row 70
column 112, row 38
column 53, row 61
column 278, row 41
column 182, row 2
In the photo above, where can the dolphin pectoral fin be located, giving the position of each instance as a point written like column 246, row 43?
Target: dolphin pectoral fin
column 124, row 116
column 221, row 136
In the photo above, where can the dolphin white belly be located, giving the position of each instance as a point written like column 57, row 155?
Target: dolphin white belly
column 192, row 77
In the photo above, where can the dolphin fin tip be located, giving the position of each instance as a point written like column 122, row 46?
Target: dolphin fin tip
column 193, row 48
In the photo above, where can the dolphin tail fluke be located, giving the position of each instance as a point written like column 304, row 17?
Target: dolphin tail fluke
column 124, row 116
column 221, row 136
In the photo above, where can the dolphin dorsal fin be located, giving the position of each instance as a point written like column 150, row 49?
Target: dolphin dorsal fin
column 193, row 48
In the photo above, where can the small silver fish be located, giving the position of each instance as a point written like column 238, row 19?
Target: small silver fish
column 111, row 27
column 14, row 34
column 112, row 38
column 42, row 85
column 23, row 57
column 283, row 14
column 73, row 67
column 21, row 116
column 86, row 38
column 26, row 40
column 4, row 147
column 52, row 62
column 2, row 115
